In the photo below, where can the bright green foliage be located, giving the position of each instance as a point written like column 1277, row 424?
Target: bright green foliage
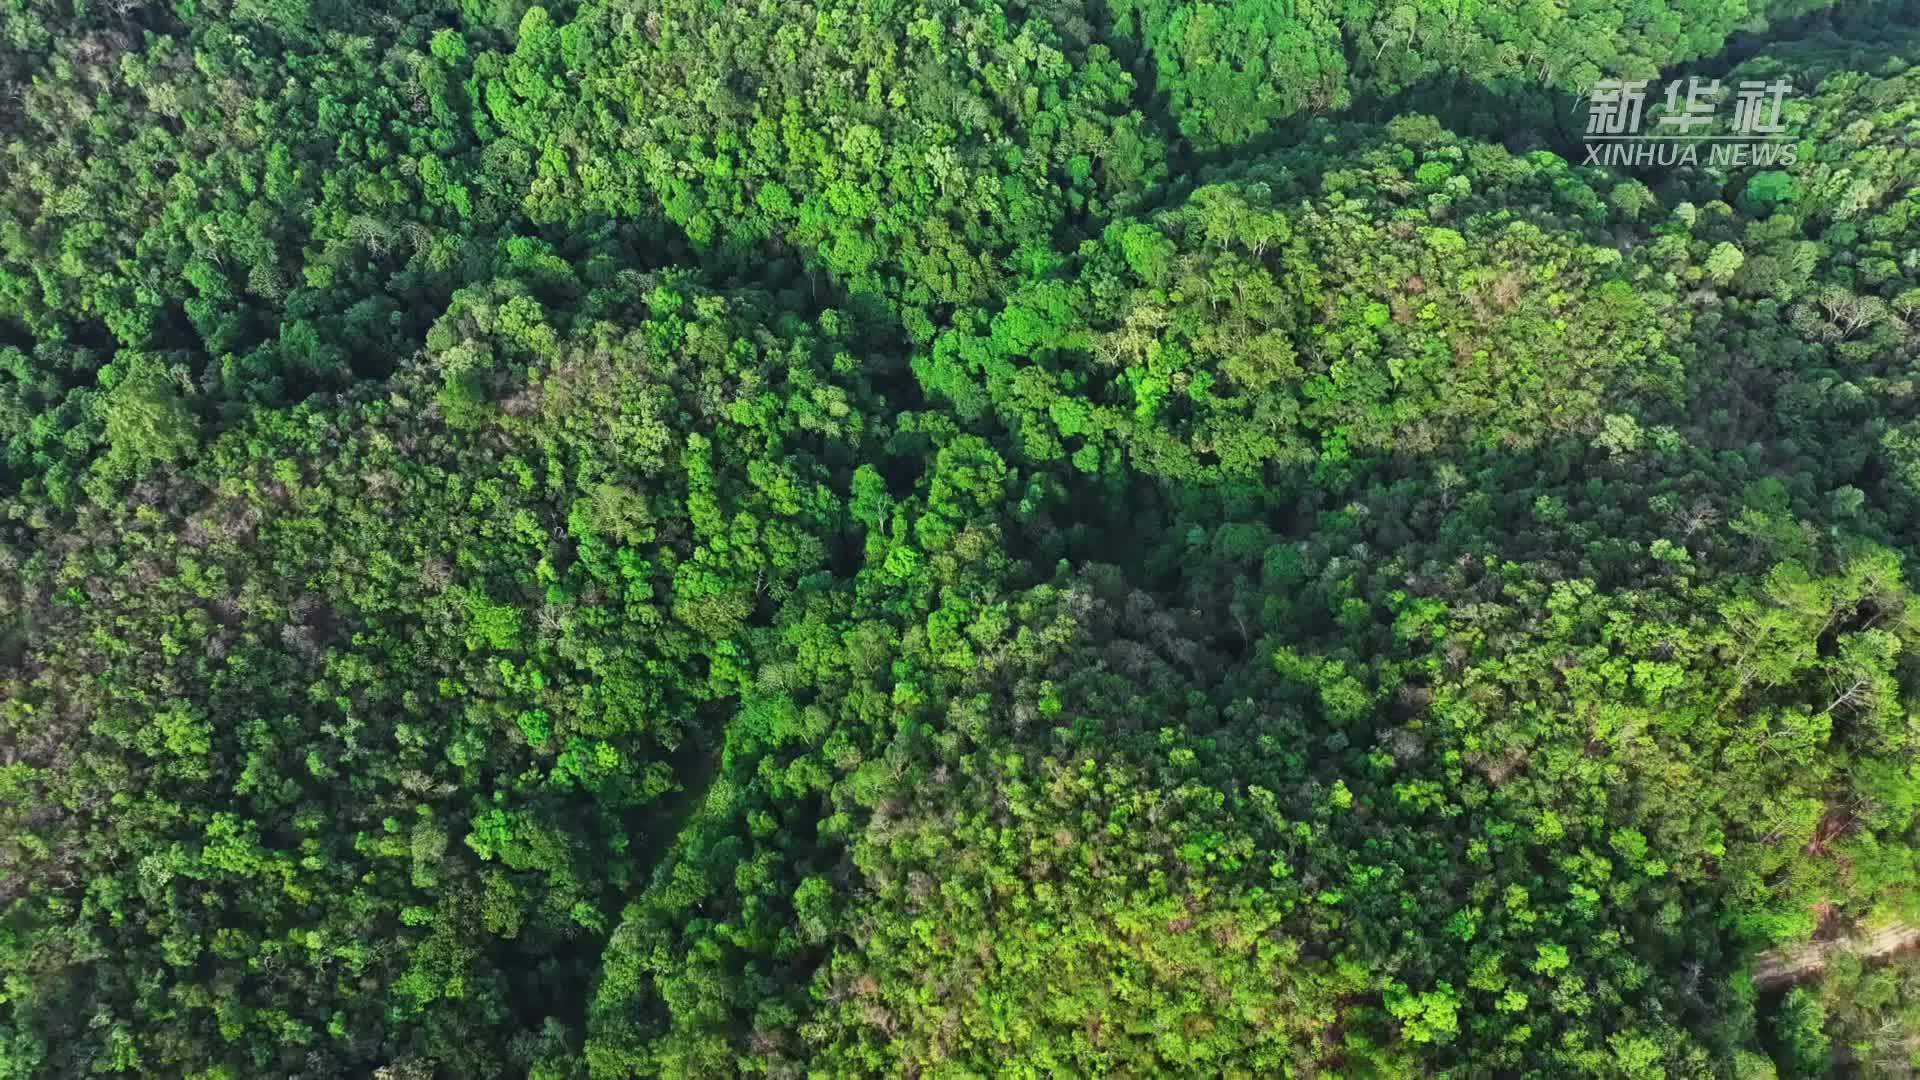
column 1862, row 1012
column 1230, row 70
column 1426, row 294
column 950, row 538
column 1401, row 43
column 1114, row 848
column 911, row 150
column 145, row 420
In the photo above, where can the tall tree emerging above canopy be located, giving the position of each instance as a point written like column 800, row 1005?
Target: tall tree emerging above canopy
column 918, row 151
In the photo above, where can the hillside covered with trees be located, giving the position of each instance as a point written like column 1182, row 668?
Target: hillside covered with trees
column 953, row 538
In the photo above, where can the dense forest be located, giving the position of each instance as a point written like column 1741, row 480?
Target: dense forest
column 954, row 538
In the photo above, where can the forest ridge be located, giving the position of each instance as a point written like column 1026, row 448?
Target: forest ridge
column 958, row 538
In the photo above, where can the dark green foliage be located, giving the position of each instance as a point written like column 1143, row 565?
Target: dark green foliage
column 947, row 539
column 377, row 713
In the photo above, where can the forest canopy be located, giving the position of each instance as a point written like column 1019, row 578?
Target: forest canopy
column 955, row 538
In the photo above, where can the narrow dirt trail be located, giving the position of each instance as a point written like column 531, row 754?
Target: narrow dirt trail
column 1784, row 966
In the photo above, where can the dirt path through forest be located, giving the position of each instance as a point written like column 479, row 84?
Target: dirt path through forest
column 1791, row 964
